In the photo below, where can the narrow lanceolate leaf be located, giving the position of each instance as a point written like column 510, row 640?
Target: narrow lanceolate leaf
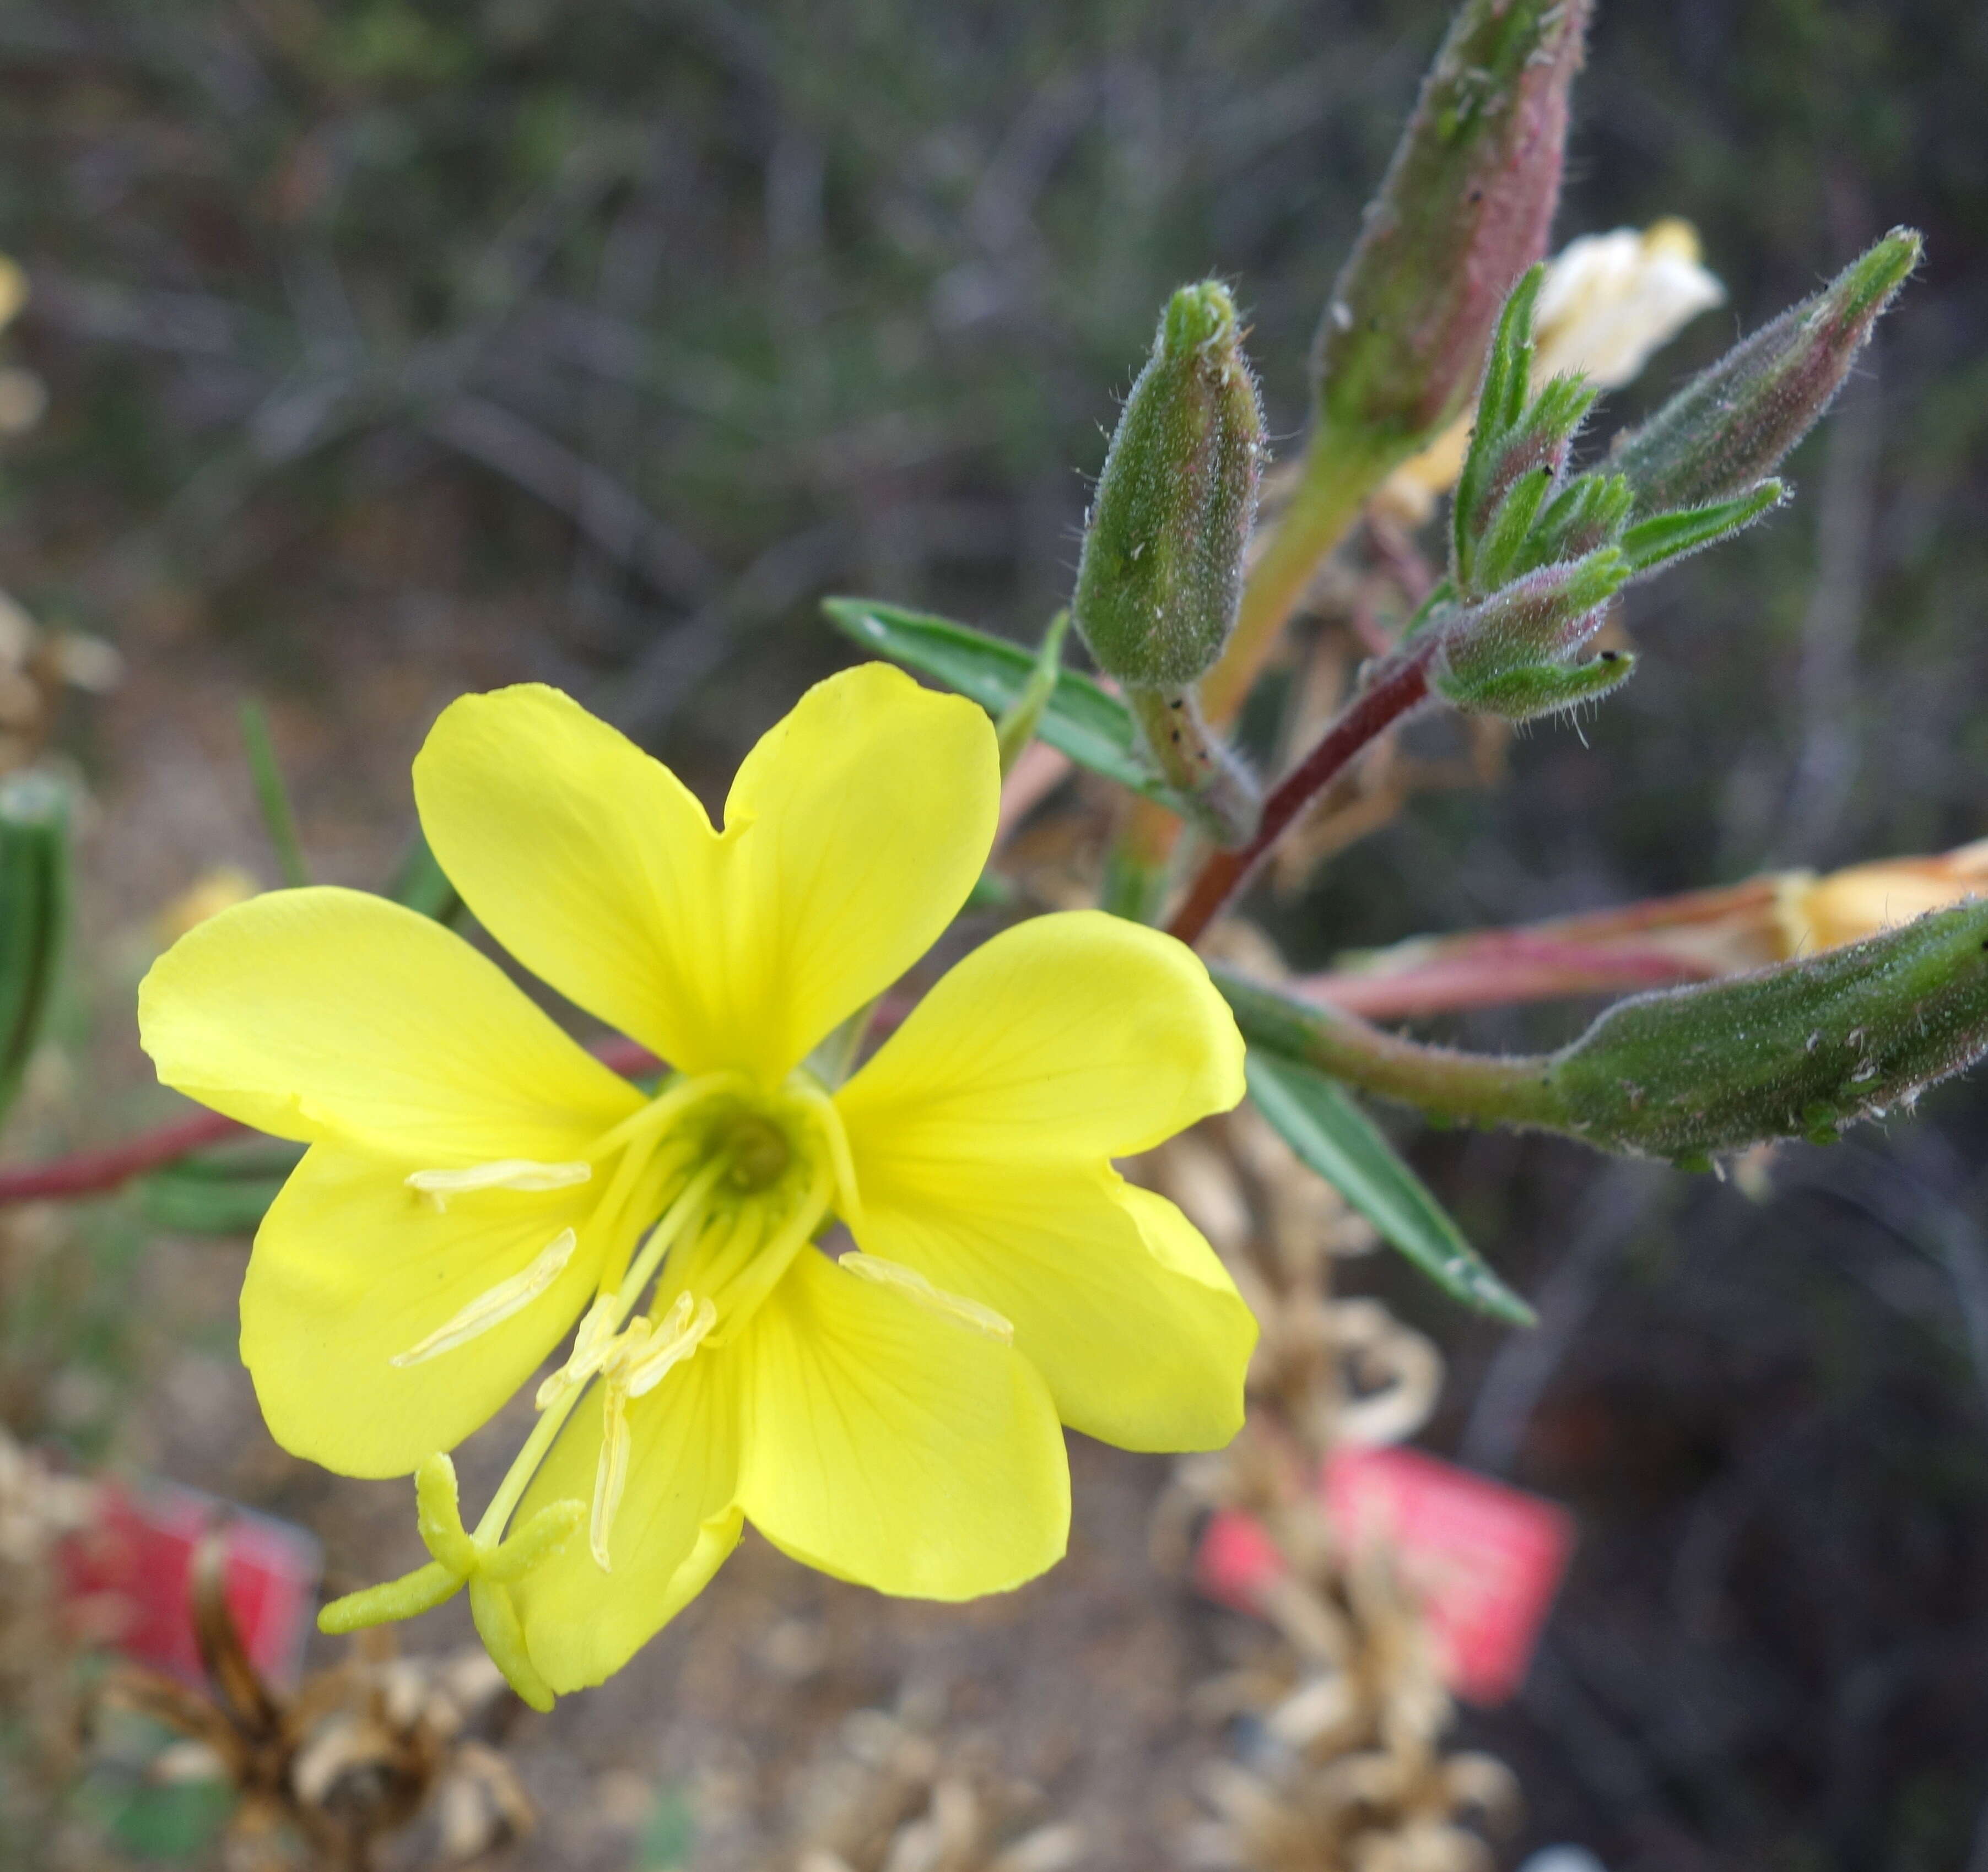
column 34, row 916
column 1080, row 720
column 1338, row 1140
column 420, row 884
column 223, row 1194
column 1667, row 536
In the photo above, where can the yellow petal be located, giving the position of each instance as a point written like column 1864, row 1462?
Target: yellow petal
column 676, row 1522
column 333, row 1016
column 351, row 1268
column 1068, row 1037
column 1113, row 1295
column 870, row 810
column 590, row 862
column 888, row 1445
column 852, row 833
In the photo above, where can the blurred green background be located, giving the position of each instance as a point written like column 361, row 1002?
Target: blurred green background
column 393, row 349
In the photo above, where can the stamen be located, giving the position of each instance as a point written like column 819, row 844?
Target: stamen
column 591, row 1345
column 678, row 1335
column 509, row 1173
column 914, row 1286
column 610, row 1474
column 634, row 1363
column 498, row 1304
column 820, row 1107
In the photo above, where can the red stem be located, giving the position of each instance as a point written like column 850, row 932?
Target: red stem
column 97, row 1173
column 1395, row 690
column 1515, row 971
column 90, row 1173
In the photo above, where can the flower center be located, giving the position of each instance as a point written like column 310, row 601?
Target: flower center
column 757, row 1150
column 711, row 1190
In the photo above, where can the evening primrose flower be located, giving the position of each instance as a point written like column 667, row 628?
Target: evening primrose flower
column 1609, row 302
column 477, row 1185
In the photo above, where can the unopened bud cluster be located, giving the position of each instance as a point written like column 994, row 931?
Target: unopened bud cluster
column 1537, row 551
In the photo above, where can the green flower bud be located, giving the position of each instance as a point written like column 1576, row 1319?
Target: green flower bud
column 1513, row 654
column 1465, row 209
column 1728, row 427
column 1797, row 1051
column 1161, row 571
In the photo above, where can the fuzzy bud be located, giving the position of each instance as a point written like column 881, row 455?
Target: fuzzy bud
column 1465, row 209
column 1728, row 427
column 1161, row 576
column 1512, row 655
column 1800, row 1050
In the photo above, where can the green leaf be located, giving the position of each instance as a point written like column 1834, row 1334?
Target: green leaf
column 223, row 1193
column 1016, row 727
column 1334, row 1138
column 420, row 884
column 272, row 796
column 1081, row 720
column 1667, row 536
column 34, row 916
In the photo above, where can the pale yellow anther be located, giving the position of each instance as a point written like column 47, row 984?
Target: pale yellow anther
column 675, row 1337
column 591, row 1345
column 631, row 1364
column 914, row 1286
column 509, row 1173
column 496, row 1304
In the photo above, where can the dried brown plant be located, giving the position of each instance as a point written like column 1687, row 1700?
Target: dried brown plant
column 1341, row 1701
column 39, row 1510
column 362, row 1750
column 895, row 1794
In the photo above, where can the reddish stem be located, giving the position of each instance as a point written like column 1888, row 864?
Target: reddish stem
column 97, row 1173
column 91, row 1173
column 1518, row 970
column 1396, row 689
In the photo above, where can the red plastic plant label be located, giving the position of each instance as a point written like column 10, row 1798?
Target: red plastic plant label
column 127, row 1578
column 1485, row 1559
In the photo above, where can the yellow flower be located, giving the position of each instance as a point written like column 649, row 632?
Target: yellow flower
column 1607, row 303
column 1813, row 913
column 477, row 1183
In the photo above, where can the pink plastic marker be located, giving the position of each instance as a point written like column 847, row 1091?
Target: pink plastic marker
column 127, row 1577
column 1485, row 1559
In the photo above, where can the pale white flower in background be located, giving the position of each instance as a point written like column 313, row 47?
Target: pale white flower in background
column 23, row 395
column 1607, row 303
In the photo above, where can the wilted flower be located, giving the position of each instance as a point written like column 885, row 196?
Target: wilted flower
column 476, row 1183
column 1609, row 302
column 1824, row 913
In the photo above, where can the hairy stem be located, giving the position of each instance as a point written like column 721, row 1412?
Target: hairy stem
column 1400, row 685
column 1479, row 1088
